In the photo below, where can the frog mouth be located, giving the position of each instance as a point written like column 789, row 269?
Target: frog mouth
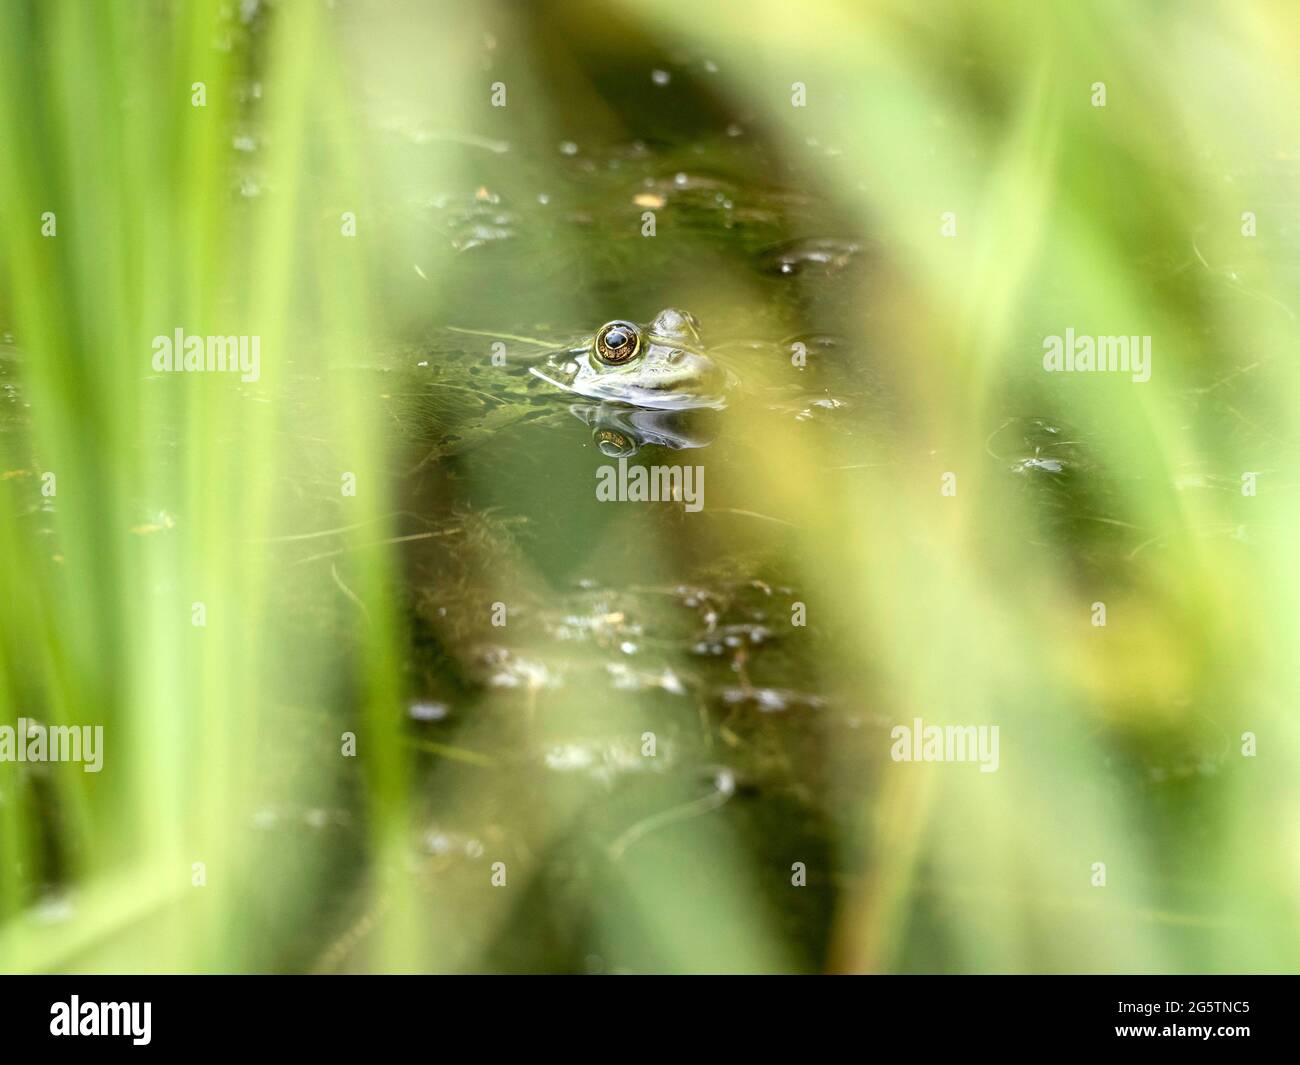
column 564, row 370
column 560, row 369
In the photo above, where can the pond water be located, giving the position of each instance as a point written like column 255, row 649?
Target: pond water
column 606, row 691
column 636, row 687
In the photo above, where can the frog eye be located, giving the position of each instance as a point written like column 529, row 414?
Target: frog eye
column 617, row 342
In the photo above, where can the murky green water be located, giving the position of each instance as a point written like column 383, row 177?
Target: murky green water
column 649, row 666
column 639, row 661
column 629, row 627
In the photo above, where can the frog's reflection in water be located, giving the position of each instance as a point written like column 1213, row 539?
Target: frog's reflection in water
column 620, row 431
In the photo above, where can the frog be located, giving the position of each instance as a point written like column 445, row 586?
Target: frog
column 661, row 365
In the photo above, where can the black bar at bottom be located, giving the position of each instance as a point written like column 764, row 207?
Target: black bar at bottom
column 339, row 1014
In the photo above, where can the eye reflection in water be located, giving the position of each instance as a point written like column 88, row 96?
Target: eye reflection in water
column 620, row 432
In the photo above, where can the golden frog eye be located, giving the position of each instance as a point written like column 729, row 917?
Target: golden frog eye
column 617, row 342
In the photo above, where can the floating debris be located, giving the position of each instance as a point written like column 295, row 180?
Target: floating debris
column 1036, row 463
column 505, row 670
column 770, row 700
column 442, row 843
column 428, row 711
column 605, row 759
column 728, row 637
column 627, row 679
column 825, row 254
